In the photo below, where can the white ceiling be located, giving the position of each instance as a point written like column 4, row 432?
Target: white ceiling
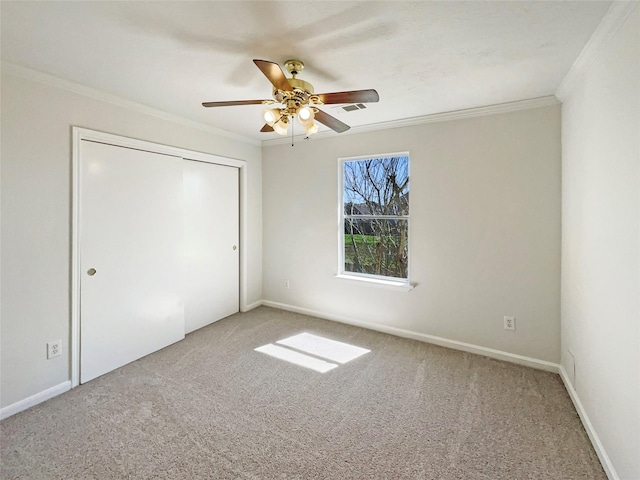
column 422, row 57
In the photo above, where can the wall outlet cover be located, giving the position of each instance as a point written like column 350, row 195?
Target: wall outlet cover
column 509, row 323
column 54, row 349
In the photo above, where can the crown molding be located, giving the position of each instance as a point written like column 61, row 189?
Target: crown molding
column 615, row 17
column 57, row 82
column 47, row 79
column 432, row 118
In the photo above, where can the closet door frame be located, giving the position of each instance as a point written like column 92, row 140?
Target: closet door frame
column 78, row 135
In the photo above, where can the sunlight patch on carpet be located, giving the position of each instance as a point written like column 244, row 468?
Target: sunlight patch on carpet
column 323, row 347
column 298, row 358
column 305, row 348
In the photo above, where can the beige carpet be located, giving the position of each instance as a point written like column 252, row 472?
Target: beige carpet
column 211, row 407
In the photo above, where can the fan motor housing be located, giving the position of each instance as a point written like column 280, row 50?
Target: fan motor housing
column 302, row 92
column 301, row 84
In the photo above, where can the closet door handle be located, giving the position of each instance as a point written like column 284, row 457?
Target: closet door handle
column 91, row 272
column 234, row 247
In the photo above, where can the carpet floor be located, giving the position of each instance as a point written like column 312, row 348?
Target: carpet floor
column 210, row 407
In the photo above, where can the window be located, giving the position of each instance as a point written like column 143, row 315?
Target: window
column 374, row 217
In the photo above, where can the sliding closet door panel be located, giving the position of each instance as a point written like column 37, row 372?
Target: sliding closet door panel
column 131, row 244
column 212, row 254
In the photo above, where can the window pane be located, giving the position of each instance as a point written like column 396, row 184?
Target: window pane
column 377, row 186
column 376, row 246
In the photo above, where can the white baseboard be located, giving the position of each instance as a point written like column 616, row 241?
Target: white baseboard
column 35, row 399
column 588, row 426
column 443, row 342
column 251, row 306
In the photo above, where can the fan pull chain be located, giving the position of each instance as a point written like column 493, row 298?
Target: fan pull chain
column 291, row 122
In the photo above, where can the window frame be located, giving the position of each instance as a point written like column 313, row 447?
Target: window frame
column 380, row 280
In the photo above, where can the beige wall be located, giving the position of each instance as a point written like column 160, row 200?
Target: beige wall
column 485, row 228
column 36, row 228
column 601, row 244
column 484, row 232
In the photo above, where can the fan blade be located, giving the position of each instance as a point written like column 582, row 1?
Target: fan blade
column 275, row 74
column 354, row 96
column 266, row 128
column 238, row 102
column 331, row 122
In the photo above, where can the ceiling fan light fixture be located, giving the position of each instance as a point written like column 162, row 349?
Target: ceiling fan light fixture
column 311, row 128
column 271, row 116
column 305, row 114
column 281, row 126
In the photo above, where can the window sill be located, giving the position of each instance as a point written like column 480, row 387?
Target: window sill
column 379, row 282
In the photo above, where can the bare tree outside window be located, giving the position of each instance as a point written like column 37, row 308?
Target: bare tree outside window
column 376, row 215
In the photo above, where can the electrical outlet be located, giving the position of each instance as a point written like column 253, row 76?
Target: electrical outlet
column 509, row 323
column 54, row 349
column 286, row 284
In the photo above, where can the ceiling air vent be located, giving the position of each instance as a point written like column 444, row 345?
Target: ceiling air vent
column 351, row 108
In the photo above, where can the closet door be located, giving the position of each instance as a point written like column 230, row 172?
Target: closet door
column 131, row 249
column 211, row 228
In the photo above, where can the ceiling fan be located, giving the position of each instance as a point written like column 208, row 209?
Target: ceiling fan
column 297, row 98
